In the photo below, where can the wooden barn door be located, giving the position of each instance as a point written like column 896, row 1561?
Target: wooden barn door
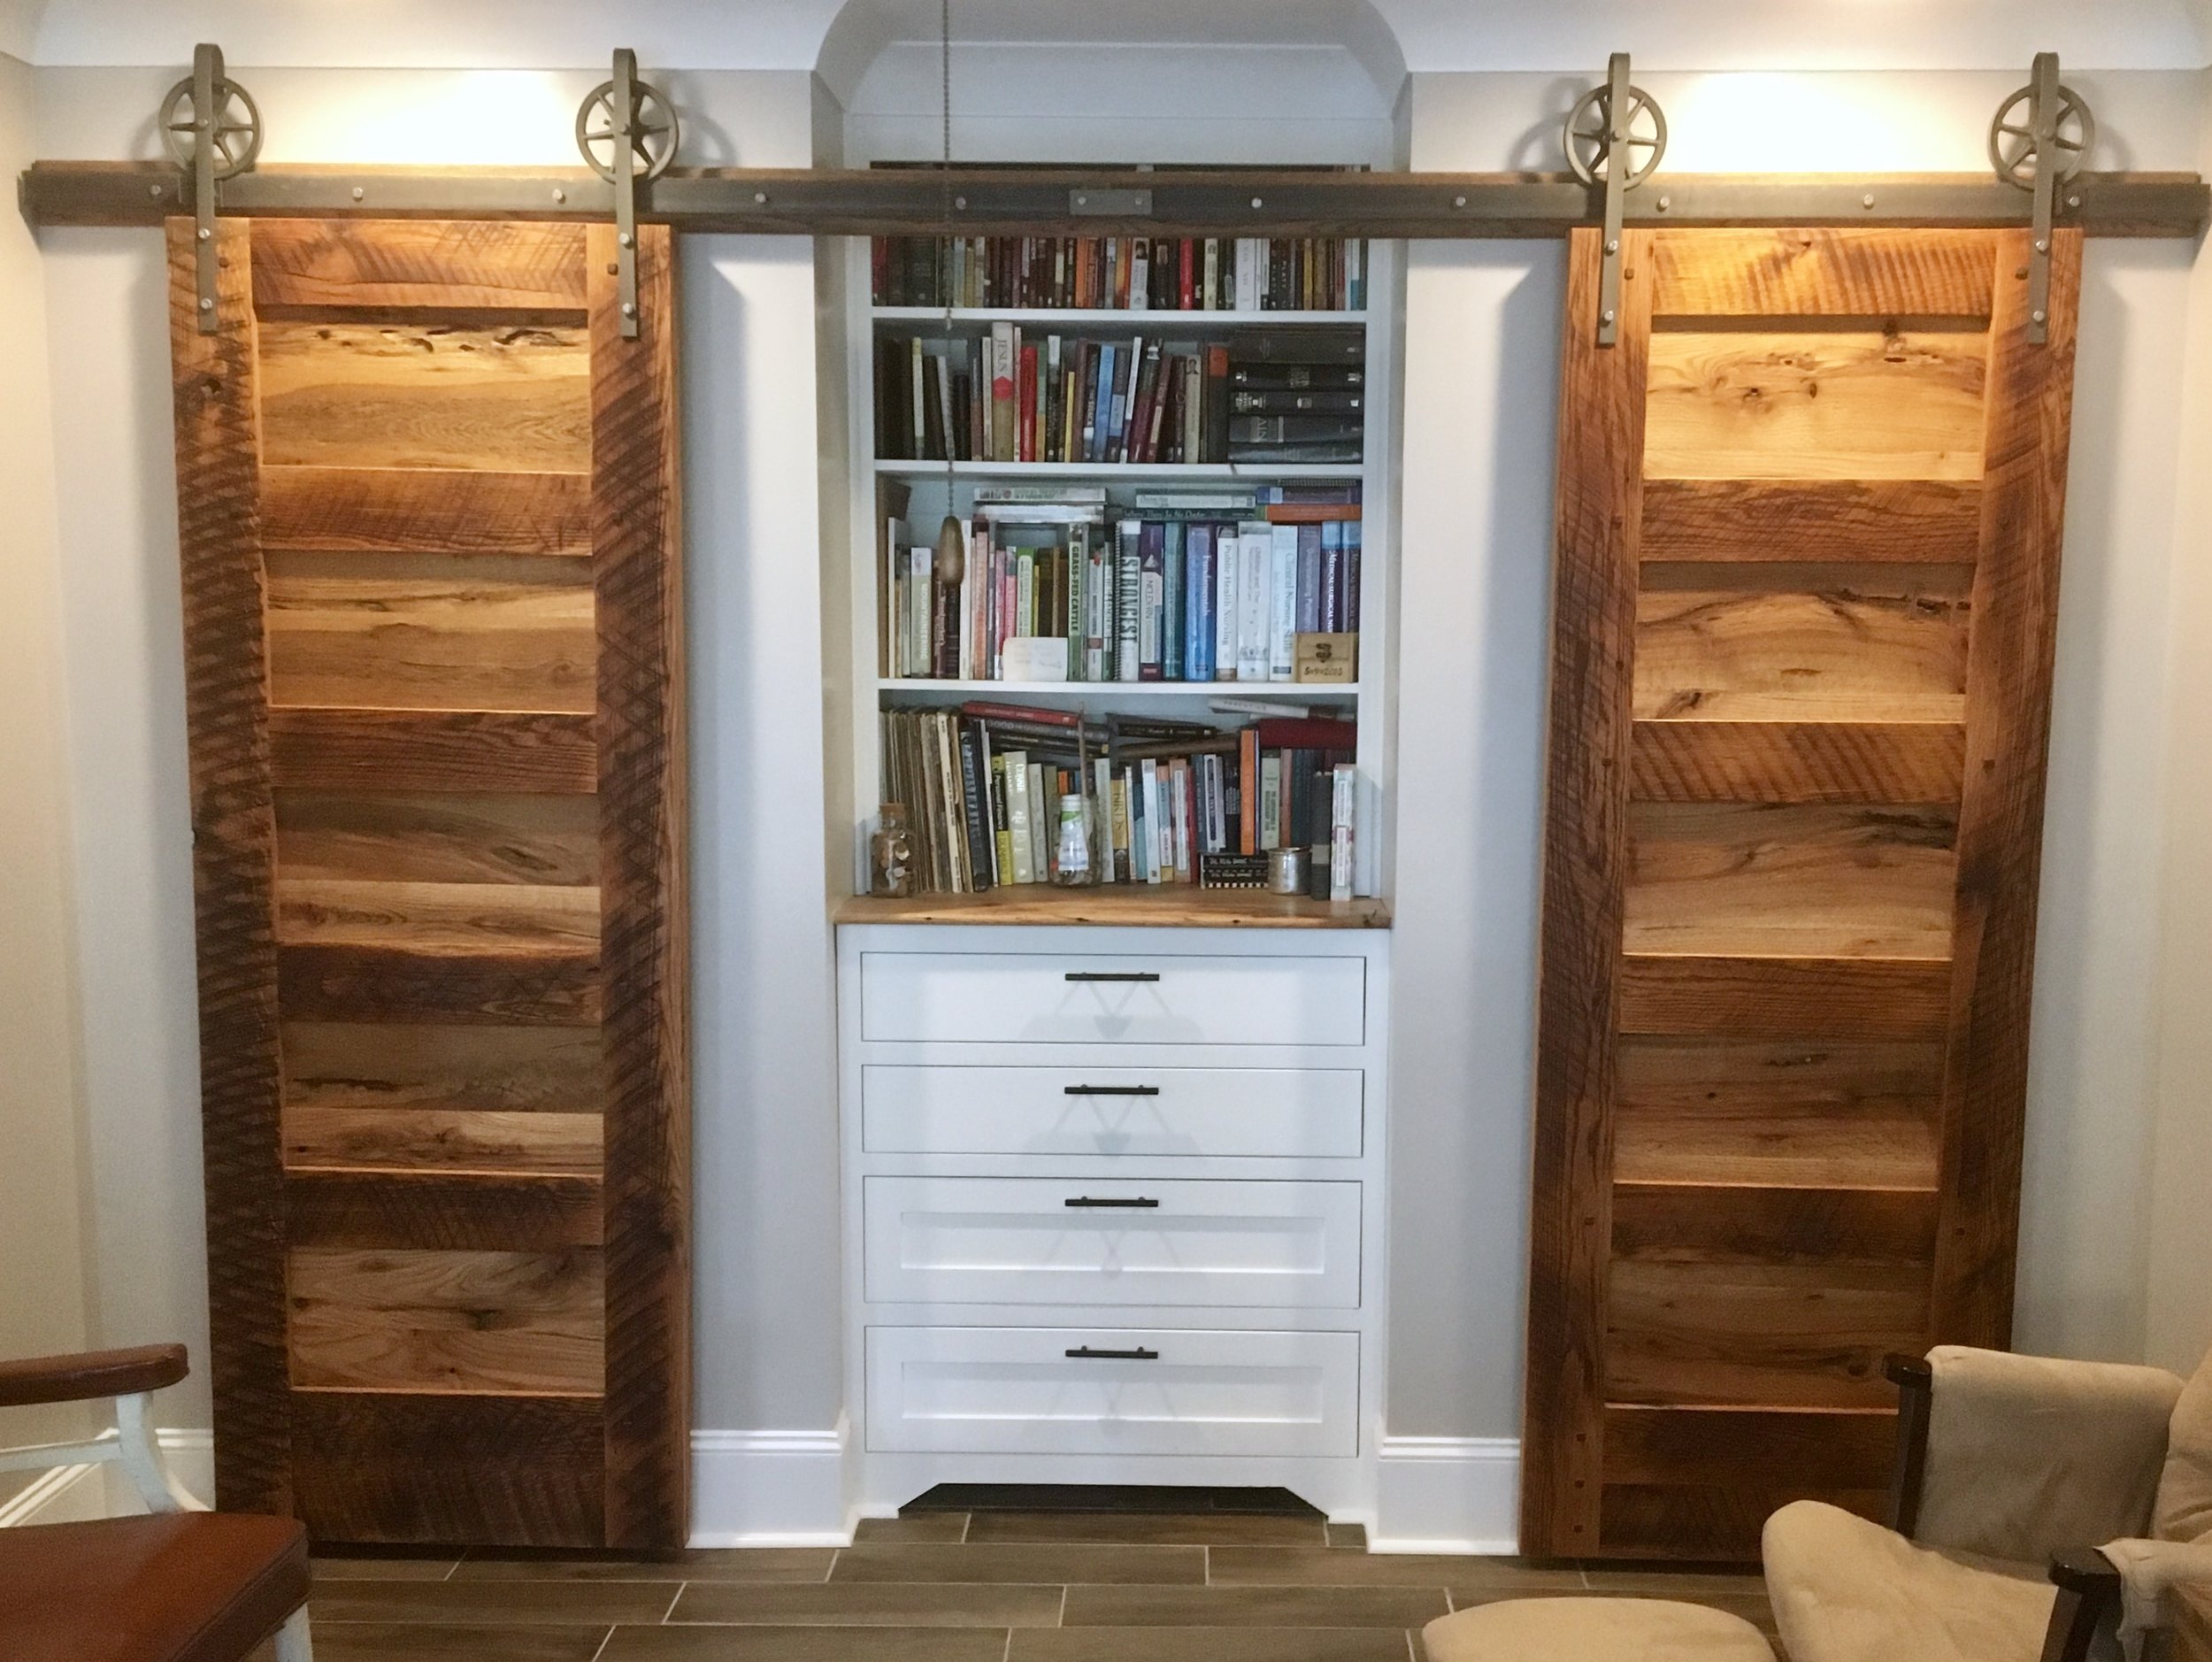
column 1808, row 553
column 429, row 531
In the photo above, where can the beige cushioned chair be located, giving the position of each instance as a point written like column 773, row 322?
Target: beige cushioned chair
column 2041, row 1508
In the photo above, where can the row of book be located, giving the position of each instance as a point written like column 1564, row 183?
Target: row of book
column 1184, row 587
column 1131, row 273
column 1011, row 397
column 1002, row 795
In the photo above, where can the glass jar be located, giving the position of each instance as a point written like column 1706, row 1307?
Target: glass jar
column 1074, row 866
column 891, row 854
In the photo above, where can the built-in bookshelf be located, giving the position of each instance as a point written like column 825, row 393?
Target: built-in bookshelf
column 1108, row 462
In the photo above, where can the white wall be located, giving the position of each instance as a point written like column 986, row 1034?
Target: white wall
column 40, row 1232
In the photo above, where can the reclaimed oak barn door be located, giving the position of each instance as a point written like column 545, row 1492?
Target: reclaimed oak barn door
column 428, row 498
column 1808, row 552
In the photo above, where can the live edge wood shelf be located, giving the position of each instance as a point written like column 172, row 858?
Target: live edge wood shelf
column 1122, row 905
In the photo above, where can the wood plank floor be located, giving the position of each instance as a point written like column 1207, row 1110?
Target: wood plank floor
column 959, row 1587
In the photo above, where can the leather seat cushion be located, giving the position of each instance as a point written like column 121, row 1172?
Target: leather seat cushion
column 1594, row 1630
column 178, row 1587
column 1847, row 1591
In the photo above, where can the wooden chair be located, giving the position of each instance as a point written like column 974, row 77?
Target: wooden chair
column 181, row 1584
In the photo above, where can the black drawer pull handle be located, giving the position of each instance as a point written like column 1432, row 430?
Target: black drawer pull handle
column 1113, row 975
column 1133, row 1202
column 1085, row 1354
column 1111, row 1090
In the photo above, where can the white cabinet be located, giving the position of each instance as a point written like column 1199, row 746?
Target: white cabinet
column 1114, row 1205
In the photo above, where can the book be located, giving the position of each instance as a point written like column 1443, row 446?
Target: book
column 1282, row 626
column 1128, row 567
column 1151, row 598
column 1255, row 608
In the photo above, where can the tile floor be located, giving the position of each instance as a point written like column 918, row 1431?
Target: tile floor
column 960, row 1586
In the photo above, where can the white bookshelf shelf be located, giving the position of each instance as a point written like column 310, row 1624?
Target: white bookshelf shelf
column 1119, row 319
column 1114, row 691
column 1108, row 473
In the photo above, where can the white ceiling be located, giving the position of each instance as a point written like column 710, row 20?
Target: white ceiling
column 1551, row 35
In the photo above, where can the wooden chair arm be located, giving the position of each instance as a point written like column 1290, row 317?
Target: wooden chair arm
column 2088, row 1588
column 89, row 1374
column 1915, row 1381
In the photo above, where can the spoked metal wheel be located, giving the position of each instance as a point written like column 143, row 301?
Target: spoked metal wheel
column 654, row 135
column 2013, row 149
column 235, row 131
column 1587, row 134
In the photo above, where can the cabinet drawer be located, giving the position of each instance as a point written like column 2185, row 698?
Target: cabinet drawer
column 1112, row 1108
column 1015, row 1390
column 1024, row 999
column 1087, row 1241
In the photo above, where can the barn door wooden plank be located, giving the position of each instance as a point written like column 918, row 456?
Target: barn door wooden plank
column 2000, row 817
column 432, row 579
column 643, row 938
column 1585, row 854
column 233, row 850
column 1791, row 865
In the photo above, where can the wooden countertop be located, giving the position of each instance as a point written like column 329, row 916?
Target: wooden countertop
column 1123, row 904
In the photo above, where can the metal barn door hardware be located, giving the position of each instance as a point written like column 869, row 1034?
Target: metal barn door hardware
column 211, row 128
column 2038, row 140
column 628, row 133
column 1615, row 137
column 1135, row 1203
column 1085, row 1353
column 1111, row 1090
column 1112, row 975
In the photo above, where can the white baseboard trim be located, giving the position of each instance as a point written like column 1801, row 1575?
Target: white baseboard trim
column 47, row 1498
column 769, row 1489
column 1447, row 1495
column 98, row 1489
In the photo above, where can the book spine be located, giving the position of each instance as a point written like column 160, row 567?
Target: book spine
column 1351, row 577
column 1002, row 371
column 1271, row 802
column 1101, row 818
column 1155, row 829
column 1330, row 587
column 1079, row 602
column 1308, row 537
column 1228, row 566
column 1356, row 273
column 975, row 808
column 1026, row 430
column 1198, row 593
column 918, row 446
column 1179, row 818
column 1049, row 441
column 1125, row 840
column 1102, row 447
column 1248, row 791
column 1344, row 783
column 1002, row 829
column 1172, row 638
column 1151, row 578
column 1129, row 605
column 1254, row 611
column 1217, row 411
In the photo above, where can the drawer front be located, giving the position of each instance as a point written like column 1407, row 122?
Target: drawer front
column 1023, row 998
column 1120, row 1241
column 1108, row 1108
column 1017, row 1391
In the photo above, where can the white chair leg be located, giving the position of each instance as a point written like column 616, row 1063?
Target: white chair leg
column 292, row 1642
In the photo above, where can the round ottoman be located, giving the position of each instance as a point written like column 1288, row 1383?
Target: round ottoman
column 1594, row 1630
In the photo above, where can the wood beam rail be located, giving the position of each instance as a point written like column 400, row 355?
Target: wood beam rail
column 1030, row 201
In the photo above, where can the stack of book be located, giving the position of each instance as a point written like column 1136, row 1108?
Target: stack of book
column 1234, row 585
column 1296, row 396
column 987, row 787
column 1139, row 273
column 1017, row 396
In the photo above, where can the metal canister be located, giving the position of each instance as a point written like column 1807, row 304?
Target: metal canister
column 1286, row 870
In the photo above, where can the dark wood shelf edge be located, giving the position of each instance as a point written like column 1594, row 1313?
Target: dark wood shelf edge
column 1120, row 906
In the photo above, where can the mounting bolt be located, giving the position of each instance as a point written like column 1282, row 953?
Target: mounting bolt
column 625, row 239
column 959, row 201
column 629, row 308
column 1867, row 201
column 1666, row 203
column 1607, row 316
column 2073, row 202
column 207, row 304
column 1612, row 244
column 205, row 233
column 760, row 196
column 154, row 191
column 1459, row 201
column 2038, row 317
column 2042, row 244
column 358, row 193
column 560, row 196
column 1257, row 203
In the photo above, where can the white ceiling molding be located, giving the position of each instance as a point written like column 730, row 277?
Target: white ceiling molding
column 1557, row 36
